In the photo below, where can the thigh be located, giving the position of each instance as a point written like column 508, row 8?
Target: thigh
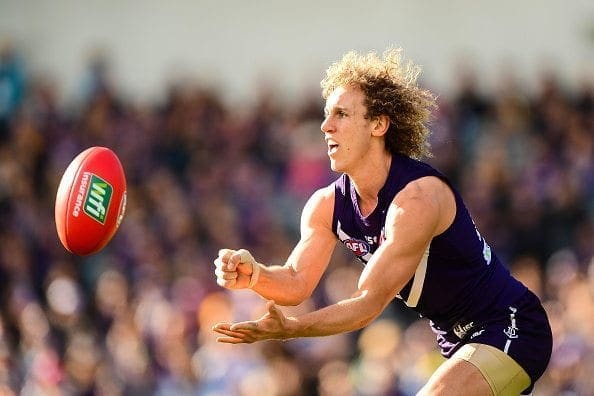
column 503, row 374
column 457, row 377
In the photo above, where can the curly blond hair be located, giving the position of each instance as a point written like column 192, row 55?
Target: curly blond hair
column 389, row 84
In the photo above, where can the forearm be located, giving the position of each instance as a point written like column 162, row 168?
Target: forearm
column 345, row 316
column 282, row 284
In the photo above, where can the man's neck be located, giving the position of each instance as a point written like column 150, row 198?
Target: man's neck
column 369, row 181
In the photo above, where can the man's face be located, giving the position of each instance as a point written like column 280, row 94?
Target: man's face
column 346, row 130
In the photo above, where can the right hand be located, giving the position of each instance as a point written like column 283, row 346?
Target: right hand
column 234, row 268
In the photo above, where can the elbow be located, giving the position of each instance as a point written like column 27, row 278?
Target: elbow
column 289, row 302
column 296, row 298
column 298, row 292
column 293, row 298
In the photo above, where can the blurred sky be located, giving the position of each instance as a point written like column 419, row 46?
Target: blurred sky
column 233, row 44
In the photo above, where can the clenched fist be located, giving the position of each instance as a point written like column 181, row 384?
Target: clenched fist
column 236, row 269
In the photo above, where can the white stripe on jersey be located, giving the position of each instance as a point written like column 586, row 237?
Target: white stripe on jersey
column 507, row 344
column 419, row 277
column 418, row 281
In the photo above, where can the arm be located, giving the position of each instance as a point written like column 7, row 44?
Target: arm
column 423, row 209
column 293, row 282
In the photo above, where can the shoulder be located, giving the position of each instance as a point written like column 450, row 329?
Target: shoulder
column 429, row 197
column 320, row 206
column 430, row 188
column 321, row 199
column 423, row 188
column 326, row 192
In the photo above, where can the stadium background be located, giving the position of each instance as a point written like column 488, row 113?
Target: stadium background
column 214, row 110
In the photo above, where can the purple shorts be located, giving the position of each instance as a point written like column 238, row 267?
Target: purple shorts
column 520, row 329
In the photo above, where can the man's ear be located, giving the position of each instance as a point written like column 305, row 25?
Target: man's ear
column 381, row 125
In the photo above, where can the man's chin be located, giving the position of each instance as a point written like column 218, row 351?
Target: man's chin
column 334, row 166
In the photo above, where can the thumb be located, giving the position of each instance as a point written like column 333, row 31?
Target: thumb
column 239, row 257
column 272, row 308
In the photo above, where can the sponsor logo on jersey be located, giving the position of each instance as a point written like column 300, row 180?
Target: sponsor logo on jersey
column 461, row 329
column 361, row 248
column 98, row 199
column 357, row 246
column 512, row 330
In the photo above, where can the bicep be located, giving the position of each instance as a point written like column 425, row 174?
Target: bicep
column 310, row 257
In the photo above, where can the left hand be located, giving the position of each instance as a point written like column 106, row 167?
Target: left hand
column 273, row 325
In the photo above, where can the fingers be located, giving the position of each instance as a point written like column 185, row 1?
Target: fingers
column 224, row 278
column 225, row 253
column 223, row 259
column 235, row 336
column 226, row 272
column 229, row 259
column 226, row 283
column 234, row 269
column 238, row 257
column 269, row 326
column 232, row 340
column 244, row 326
column 225, row 275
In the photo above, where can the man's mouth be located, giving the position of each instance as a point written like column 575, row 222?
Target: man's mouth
column 332, row 147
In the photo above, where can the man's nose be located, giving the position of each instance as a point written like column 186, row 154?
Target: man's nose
column 326, row 126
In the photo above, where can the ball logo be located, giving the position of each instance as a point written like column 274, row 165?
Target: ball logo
column 82, row 190
column 357, row 246
column 98, row 199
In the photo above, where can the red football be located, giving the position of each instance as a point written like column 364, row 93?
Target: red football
column 91, row 201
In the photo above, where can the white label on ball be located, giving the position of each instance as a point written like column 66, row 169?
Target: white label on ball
column 82, row 189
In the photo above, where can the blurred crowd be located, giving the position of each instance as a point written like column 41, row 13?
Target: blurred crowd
column 135, row 318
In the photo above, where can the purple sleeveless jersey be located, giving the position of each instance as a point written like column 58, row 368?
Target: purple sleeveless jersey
column 460, row 285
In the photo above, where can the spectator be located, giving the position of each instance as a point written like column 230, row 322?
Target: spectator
column 150, row 292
